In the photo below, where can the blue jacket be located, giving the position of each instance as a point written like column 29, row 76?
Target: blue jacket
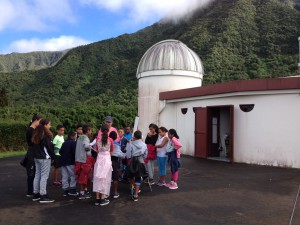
column 67, row 152
column 123, row 143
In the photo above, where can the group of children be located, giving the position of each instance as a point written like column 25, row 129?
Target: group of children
column 113, row 155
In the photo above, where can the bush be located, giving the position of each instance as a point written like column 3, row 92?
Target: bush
column 13, row 136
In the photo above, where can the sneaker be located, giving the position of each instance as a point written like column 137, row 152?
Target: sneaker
column 57, row 183
column 168, row 184
column 104, row 202
column 36, row 197
column 46, row 199
column 159, row 183
column 66, row 193
column 173, row 185
column 30, row 195
column 97, row 202
column 86, row 192
column 84, row 196
column 73, row 192
column 135, row 198
column 116, row 195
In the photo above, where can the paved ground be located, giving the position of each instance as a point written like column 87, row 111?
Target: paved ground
column 209, row 192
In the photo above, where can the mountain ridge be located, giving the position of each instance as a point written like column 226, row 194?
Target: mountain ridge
column 16, row 62
column 235, row 39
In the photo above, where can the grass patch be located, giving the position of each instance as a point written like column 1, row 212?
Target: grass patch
column 11, row 153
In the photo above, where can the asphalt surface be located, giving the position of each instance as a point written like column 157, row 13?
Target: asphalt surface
column 209, row 192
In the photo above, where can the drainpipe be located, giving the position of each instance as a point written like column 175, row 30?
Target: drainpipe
column 299, row 65
column 162, row 106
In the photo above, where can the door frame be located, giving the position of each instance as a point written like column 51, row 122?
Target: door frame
column 201, row 148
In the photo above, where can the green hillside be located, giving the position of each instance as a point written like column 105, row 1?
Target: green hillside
column 16, row 62
column 236, row 39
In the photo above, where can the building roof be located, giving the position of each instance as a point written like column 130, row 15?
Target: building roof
column 269, row 84
column 170, row 55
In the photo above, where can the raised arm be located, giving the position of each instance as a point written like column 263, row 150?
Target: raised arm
column 164, row 142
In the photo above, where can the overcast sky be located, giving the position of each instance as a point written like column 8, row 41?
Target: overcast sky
column 50, row 25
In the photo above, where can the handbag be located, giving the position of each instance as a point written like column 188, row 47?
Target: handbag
column 24, row 161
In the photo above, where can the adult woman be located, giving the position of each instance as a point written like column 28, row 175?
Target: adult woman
column 30, row 165
column 43, row 152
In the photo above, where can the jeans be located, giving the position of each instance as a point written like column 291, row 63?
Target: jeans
column 162, row 164
column 68, row 172
column 42, row 170
column 150, row 169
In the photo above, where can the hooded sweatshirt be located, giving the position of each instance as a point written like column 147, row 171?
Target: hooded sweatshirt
column 136, row 148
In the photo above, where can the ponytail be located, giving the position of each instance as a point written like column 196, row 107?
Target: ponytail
column 104, row 136
column 34, row 118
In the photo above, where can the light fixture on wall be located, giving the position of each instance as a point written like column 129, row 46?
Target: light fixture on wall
column 247, row 107
column 184, row 110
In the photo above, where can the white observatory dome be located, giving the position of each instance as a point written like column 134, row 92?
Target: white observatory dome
column 167, row 66
column 170, row 57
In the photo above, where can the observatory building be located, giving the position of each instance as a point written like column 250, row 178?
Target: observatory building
column 249, row 121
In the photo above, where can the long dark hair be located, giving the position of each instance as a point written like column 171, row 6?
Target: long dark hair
column 34, row 118
column 163, row 129
column 154, row 126
column 174, row 133
column 38, row 134
column 44, row 122
column 104, row 136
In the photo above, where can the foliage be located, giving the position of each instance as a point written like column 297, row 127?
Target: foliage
column 11, row 153
column 12, row 135
column 16, row 62
column 236, row 39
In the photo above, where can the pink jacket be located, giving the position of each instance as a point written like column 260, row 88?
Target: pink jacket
column 177, row 145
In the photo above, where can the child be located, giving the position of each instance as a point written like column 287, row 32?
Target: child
column 137, row 152
column 103, row 167
column 83, row 161
column 78, row 130
column 58, row 141
column 116, row 156
column 30, row 165
column 128, row 134
column 161, row 147
column 174, row 156
column 151, row 140
column 43, row 154
column 123, row 142
column 67, row 153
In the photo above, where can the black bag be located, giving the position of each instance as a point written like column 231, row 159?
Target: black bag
column 24, row 161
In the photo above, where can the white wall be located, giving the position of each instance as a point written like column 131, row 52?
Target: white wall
column 268, row 135
column 148, row 101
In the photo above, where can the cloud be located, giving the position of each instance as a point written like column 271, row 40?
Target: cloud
column 149, row 10
column 34, row 15
column 51, row 44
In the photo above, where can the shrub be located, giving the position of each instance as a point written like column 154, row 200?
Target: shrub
column 13, row 136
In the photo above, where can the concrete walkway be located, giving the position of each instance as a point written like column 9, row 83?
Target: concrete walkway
column 209, row 192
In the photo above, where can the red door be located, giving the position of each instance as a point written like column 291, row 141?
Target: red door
column 201, row 132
